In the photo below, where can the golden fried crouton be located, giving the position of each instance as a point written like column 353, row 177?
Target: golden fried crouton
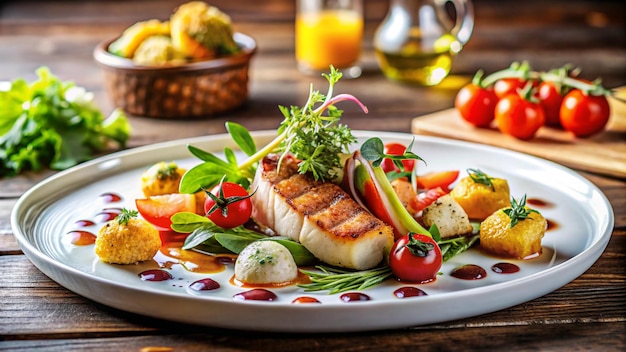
column 519, row 241
column 127, row 241
column 480, row 199
column 448, row 215
column 161, row 178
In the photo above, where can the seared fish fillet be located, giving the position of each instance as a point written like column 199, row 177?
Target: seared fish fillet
column 321, row 216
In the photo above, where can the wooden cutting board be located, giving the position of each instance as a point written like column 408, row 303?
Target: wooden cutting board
column 604, row 153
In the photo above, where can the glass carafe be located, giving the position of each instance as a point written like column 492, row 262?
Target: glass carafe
column 418, row 39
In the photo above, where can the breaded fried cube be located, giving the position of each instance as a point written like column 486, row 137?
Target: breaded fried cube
column 127, row 243
column 479, row 200
column 161, row 178
column 498, row 237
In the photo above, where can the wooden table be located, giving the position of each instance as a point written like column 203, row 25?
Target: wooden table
column 586, row 314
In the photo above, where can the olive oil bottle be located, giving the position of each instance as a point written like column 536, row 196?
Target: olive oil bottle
column 417, row 40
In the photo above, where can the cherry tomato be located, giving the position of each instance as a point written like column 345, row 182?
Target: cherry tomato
column 396, row 149
column 415, row 258
column 436, row 179
column 506, row 86
column 231, row 207
column 551, row 99
column 476, row 104
column 584, row 115
column 158, row 210
column 519, row 117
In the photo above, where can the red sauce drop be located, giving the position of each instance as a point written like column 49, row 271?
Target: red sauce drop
column 305, row 300
column 408, row 291
column 505, row 268
column 258, row 294
column 538, row 202
column 106, row 216
column 354, row 297
column 551, row 225
column 81, row 238
column 155, row 275
column 469, row 272
column 110, row 197
column 84, row 223
column 207, row 284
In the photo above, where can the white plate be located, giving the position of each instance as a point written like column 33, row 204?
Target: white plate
column 49, row 210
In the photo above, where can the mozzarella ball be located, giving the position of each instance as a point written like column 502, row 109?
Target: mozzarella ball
column 265, row 262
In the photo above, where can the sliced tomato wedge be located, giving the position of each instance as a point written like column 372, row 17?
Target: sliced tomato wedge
column 158, row 210
column 436, row 179
column 425, row 199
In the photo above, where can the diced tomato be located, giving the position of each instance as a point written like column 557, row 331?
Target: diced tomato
column 427, row 198
column 158, row 210
column 441, row 179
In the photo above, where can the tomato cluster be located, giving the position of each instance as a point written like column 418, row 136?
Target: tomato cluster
column 521, row 101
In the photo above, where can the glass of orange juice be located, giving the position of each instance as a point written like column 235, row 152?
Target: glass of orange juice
column 329, row 32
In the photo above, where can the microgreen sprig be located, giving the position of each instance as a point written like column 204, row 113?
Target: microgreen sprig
column 518, row 211
column 373, row 150
column 124, row 217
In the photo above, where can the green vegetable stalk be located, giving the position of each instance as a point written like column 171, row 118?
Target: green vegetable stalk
column 54, row 124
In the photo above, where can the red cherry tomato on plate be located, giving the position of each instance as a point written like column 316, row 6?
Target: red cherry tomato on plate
column 506, row 86
column 415, row 258
column 231, row 207
column 396, row 149
column 436, row 179
column 584, row 115
column 519, row 117
column 476, row 104
column 158, row 210
column 551, row 100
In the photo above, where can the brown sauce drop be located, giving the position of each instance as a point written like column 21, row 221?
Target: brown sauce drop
column 81, row 238
column 409, row 291
column 551, row 225
column 84, row 223
column 191, row 260
column 207, row 284
column 538, row 202
column 257, row 294
column 106, row 216
column 305, row 300
column 155, row 275
column 469, row 272
column 505, row 268
column 354, row 297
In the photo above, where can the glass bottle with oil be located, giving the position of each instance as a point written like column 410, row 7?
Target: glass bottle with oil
column 418, row 39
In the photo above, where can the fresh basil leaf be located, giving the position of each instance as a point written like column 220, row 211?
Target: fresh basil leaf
column 242, row 137
column 300, row 254
column 233, row 243
column 185, row 222
column 231, row 158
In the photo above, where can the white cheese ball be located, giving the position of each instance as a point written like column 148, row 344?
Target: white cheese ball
column 265, row 262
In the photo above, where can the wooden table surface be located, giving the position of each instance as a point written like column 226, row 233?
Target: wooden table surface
column 586, row 314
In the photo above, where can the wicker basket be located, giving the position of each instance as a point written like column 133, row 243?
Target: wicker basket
column 193, row 90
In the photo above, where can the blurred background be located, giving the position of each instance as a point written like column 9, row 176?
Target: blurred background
column 62, row 35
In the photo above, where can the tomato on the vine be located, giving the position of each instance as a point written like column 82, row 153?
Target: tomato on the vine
column 415, row 258
column 396, row 149
column 228, row 205
column 551, row 98
column 583, row 114
column 158, row 210
column 476, row 104
column 506, row 86
column 518, row 116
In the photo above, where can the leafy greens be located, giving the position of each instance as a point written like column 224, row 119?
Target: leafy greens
column 55, row 124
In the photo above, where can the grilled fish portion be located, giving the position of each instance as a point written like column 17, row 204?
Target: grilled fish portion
column 321, row 216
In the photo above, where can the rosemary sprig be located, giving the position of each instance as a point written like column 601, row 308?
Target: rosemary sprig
column 481, row 177
column 518, row 211
column 336, row 280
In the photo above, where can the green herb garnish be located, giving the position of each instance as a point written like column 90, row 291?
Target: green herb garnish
column 481, row 177
column 54, row 124
column 518, row 211
column 124, row 217
column 373, row 150
column 315, row 139
column 336, row 280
